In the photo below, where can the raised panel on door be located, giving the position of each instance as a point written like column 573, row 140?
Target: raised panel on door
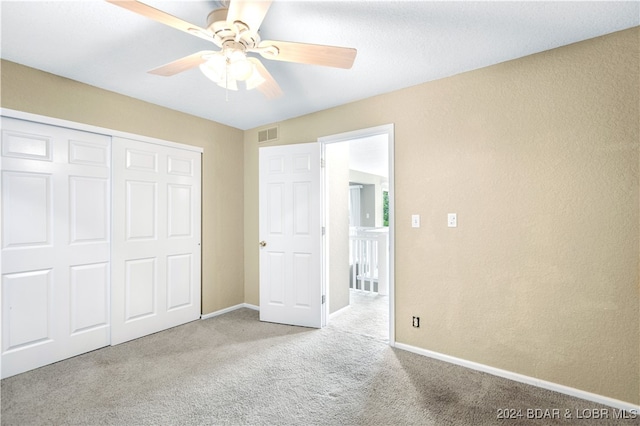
column 180, row 166
column 55, row 243
column 302, row 276
column 89, row 297
column 179, row 211
column 275, row 265
column 179, row 281
column 29, row 146
column 301, row 213
column 275, row 209
column 156, row 238
column 89, row 154
column 27, row 309
column 89, row 209
column 140, row 288
column 141, row 209
column 301, row 163
column 27, row 214
column 275, row 164
column 142, row 160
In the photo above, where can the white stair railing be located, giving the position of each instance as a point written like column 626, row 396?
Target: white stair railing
column 368, row 248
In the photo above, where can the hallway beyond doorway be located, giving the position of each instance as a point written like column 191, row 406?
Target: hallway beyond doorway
column 368, row 316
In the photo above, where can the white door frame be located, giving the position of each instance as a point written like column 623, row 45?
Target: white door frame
column 386, row 129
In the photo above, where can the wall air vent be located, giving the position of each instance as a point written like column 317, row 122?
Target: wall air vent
column 268, row 135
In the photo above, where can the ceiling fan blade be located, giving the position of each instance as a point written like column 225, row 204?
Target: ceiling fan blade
column 251, row 13
column 183, row 64
column 269, row 87
column 162, row 17
column 314, row 54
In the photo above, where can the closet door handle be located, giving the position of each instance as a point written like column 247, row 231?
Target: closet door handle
column 263, row 243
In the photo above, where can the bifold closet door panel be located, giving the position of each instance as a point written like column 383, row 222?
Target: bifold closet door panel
column 156, row 238
column 55, row 243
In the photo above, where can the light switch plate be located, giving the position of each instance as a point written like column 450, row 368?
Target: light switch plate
column 452, row 220
column 415, row 221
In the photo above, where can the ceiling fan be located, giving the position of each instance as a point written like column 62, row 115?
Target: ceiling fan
column 234, row 29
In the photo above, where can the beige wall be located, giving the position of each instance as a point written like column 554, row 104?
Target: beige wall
column 33, row 91
column 539, row 158
column 377, row 214
column 337, row 214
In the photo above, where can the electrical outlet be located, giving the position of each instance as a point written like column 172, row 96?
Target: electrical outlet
column 416, row 322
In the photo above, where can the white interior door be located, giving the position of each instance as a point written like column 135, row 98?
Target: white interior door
column 291, row 235
column 55, row 243
column 156, row 238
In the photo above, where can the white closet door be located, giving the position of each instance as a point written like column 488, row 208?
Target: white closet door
column 156, row 238
column 55, row 244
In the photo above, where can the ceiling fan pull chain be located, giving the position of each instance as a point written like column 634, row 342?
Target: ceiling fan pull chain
column 226, row 80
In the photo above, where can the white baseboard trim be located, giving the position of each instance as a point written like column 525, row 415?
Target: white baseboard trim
column 229, row 309
column 615, row 403
column 339, row 311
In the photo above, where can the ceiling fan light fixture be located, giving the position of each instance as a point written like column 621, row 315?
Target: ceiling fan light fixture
column 215, row 67
column 241, row 69
column 226, row 69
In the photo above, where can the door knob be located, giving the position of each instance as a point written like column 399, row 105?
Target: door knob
column 263, row 243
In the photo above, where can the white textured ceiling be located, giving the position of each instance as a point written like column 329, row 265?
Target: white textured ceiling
column 370, row 155
column 399, row 43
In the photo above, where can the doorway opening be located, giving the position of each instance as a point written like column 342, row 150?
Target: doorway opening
column 359, row 231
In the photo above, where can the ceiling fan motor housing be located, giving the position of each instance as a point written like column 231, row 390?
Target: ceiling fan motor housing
column 224, row 32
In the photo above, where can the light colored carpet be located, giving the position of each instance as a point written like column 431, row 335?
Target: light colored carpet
column 235, row 370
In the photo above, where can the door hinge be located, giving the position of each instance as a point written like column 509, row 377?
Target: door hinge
column 322, row 162
column 324, row 230
column 324, row 299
